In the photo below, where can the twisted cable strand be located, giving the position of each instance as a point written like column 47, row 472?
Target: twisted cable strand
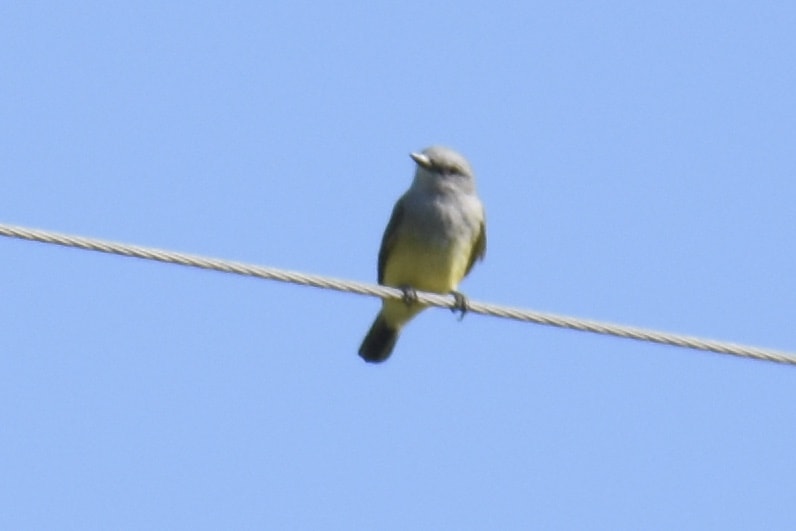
column 431, row 299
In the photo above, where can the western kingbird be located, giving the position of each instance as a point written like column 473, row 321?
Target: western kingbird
column 434, row 236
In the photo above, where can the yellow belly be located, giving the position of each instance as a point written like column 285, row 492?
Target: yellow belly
column 425, row 268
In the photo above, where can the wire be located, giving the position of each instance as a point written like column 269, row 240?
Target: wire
column 431, row 299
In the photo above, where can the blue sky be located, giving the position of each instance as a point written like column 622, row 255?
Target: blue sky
column 637, row 165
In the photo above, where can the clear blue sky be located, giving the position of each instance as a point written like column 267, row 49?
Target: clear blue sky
column 637, row 163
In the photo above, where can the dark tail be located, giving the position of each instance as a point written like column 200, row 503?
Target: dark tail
column 378, row 344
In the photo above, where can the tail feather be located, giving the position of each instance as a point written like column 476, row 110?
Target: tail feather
column 379, row 342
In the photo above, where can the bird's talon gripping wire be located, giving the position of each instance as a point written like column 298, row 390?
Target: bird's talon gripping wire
column 409, row 295
column 461, row 304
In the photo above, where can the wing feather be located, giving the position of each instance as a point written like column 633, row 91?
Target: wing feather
column 479, row 248
column 390, row 233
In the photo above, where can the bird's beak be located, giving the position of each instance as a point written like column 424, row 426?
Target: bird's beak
column 421, row 160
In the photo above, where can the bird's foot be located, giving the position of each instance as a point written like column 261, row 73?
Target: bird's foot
column 461, row 304
column 409, row 295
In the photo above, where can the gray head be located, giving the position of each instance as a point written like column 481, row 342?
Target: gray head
column 441, row 167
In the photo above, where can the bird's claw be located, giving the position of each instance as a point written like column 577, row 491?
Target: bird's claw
column 460, row 304
column 409, row 295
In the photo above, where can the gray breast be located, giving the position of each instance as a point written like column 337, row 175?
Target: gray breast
column 443, row 219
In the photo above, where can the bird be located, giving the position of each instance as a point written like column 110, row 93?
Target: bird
column 436, row 233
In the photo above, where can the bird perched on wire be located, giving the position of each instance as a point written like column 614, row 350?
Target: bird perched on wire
column 434, row 237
